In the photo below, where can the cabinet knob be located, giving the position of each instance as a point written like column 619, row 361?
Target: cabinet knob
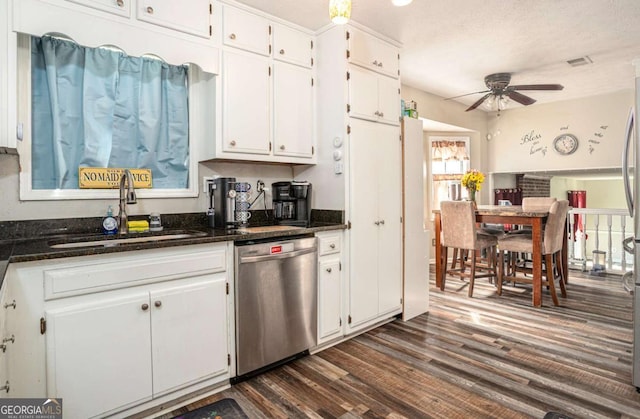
column 381, row 222
column 380, row 64
column 281, row 52
column 329, row 270
column 145, row 307
column 158, row 303
column 377, row 223
column 282, row 147
column 332, row 245
column 376, row 113
column 232, row 36
column 381, row 114
column 120, row 3
column 375, row 62
column 232, row 143
column 150, row 10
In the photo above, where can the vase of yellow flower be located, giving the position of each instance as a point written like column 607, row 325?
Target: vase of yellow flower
column 472, row 181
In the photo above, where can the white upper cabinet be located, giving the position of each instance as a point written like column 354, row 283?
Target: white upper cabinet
column 241, row 29
column 246, row 103
column 292, row 111
column 292, row 46
column 373, row 96
column 117, row 7
column 191, row 17
column 373, row 53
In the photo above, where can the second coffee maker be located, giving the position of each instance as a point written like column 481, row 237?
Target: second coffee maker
column 292, row 203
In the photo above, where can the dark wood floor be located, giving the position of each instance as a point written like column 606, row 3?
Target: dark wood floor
column 480, row 357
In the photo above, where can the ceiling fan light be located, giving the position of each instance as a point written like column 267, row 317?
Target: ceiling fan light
column 400, row 3
column 340, row 11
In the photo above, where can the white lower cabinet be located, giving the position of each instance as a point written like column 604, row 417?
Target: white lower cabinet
column 330, row 287
column 120, row 333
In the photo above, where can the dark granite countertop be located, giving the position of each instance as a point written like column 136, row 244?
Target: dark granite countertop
column 24, row 241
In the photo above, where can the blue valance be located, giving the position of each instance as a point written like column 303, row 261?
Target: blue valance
column 98, row 107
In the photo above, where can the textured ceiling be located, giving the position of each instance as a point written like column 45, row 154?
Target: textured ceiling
column 450, row 45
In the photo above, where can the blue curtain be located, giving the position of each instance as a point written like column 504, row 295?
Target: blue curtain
column 96, row 107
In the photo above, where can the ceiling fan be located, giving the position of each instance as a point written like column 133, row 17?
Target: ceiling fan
column 498, row 85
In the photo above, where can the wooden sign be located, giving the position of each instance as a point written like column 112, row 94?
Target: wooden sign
column 109, row 178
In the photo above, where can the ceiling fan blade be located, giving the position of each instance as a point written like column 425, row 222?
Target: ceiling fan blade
column 537, row 87
column 468, row 94
column 478, row 102
column 520, row 98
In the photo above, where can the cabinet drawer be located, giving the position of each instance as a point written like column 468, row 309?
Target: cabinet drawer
column 117, row 7
column 291, row 46
column 329, row 244
column 130, row 270
column 245, row 30
column 191, row 17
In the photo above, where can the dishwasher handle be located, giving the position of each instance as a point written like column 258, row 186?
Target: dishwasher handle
column 253, row 259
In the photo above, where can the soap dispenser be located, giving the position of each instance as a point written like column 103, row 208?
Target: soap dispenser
column 109, row 223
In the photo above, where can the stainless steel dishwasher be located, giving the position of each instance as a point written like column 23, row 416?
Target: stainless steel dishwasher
column 276, row 301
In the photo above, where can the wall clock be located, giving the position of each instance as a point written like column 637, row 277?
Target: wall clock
column 565, row 144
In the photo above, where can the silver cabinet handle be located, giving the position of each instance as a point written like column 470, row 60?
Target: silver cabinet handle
column 329, row 270
column 332, row 245
column 150, row 10
column 145, row 307
column 281, row 52
column 120, row 3
column 232, row 36
column 158, row 303
column 232, row 143
column 282, row 147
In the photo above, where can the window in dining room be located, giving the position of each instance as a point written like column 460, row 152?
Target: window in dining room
column 449, row 161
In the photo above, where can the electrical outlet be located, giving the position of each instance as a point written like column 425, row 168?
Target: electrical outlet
column 206, row 180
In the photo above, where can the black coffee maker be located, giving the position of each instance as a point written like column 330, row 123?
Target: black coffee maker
column 292, row 203
column 224, row 202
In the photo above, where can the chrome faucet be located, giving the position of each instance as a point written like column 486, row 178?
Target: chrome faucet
column 123, row 227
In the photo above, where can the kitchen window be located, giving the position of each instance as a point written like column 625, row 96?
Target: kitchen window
column 98, row 107
column 449, row 161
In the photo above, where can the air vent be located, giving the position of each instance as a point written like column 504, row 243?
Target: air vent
column 576, row 62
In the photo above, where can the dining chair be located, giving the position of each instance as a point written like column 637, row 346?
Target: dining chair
column 459, row 231
column 551, row 248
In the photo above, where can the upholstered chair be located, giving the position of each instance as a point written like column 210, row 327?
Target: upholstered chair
column 459, row 231
column 551, row 247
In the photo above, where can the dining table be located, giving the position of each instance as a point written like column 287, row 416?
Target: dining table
column 510, row 215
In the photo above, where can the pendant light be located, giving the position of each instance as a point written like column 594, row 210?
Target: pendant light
column 400, row 3
column 340, row 11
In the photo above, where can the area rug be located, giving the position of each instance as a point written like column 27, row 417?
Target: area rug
column 222, row 409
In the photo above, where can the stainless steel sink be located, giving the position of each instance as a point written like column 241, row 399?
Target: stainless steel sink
column 131, row 238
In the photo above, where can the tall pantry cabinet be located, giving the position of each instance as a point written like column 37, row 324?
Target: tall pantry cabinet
column 358, row 127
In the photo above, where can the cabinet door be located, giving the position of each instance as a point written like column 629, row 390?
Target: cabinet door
column 245, row 30
column 292, row 111
column 370, row 52
column 363, row 94
column 291, row 46
column 99, row 354
column 191, row 17
column 246, row 93
column 117, row 7
column 389, row 100
column 363, row 244
column 329, row 299
column 189, row 329
column 389, row 157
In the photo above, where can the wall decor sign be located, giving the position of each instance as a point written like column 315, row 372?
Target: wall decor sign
column 532, row 141
column 109, row 178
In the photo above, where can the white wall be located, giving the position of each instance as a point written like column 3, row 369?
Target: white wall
column 526, row 135
column 11, row 208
